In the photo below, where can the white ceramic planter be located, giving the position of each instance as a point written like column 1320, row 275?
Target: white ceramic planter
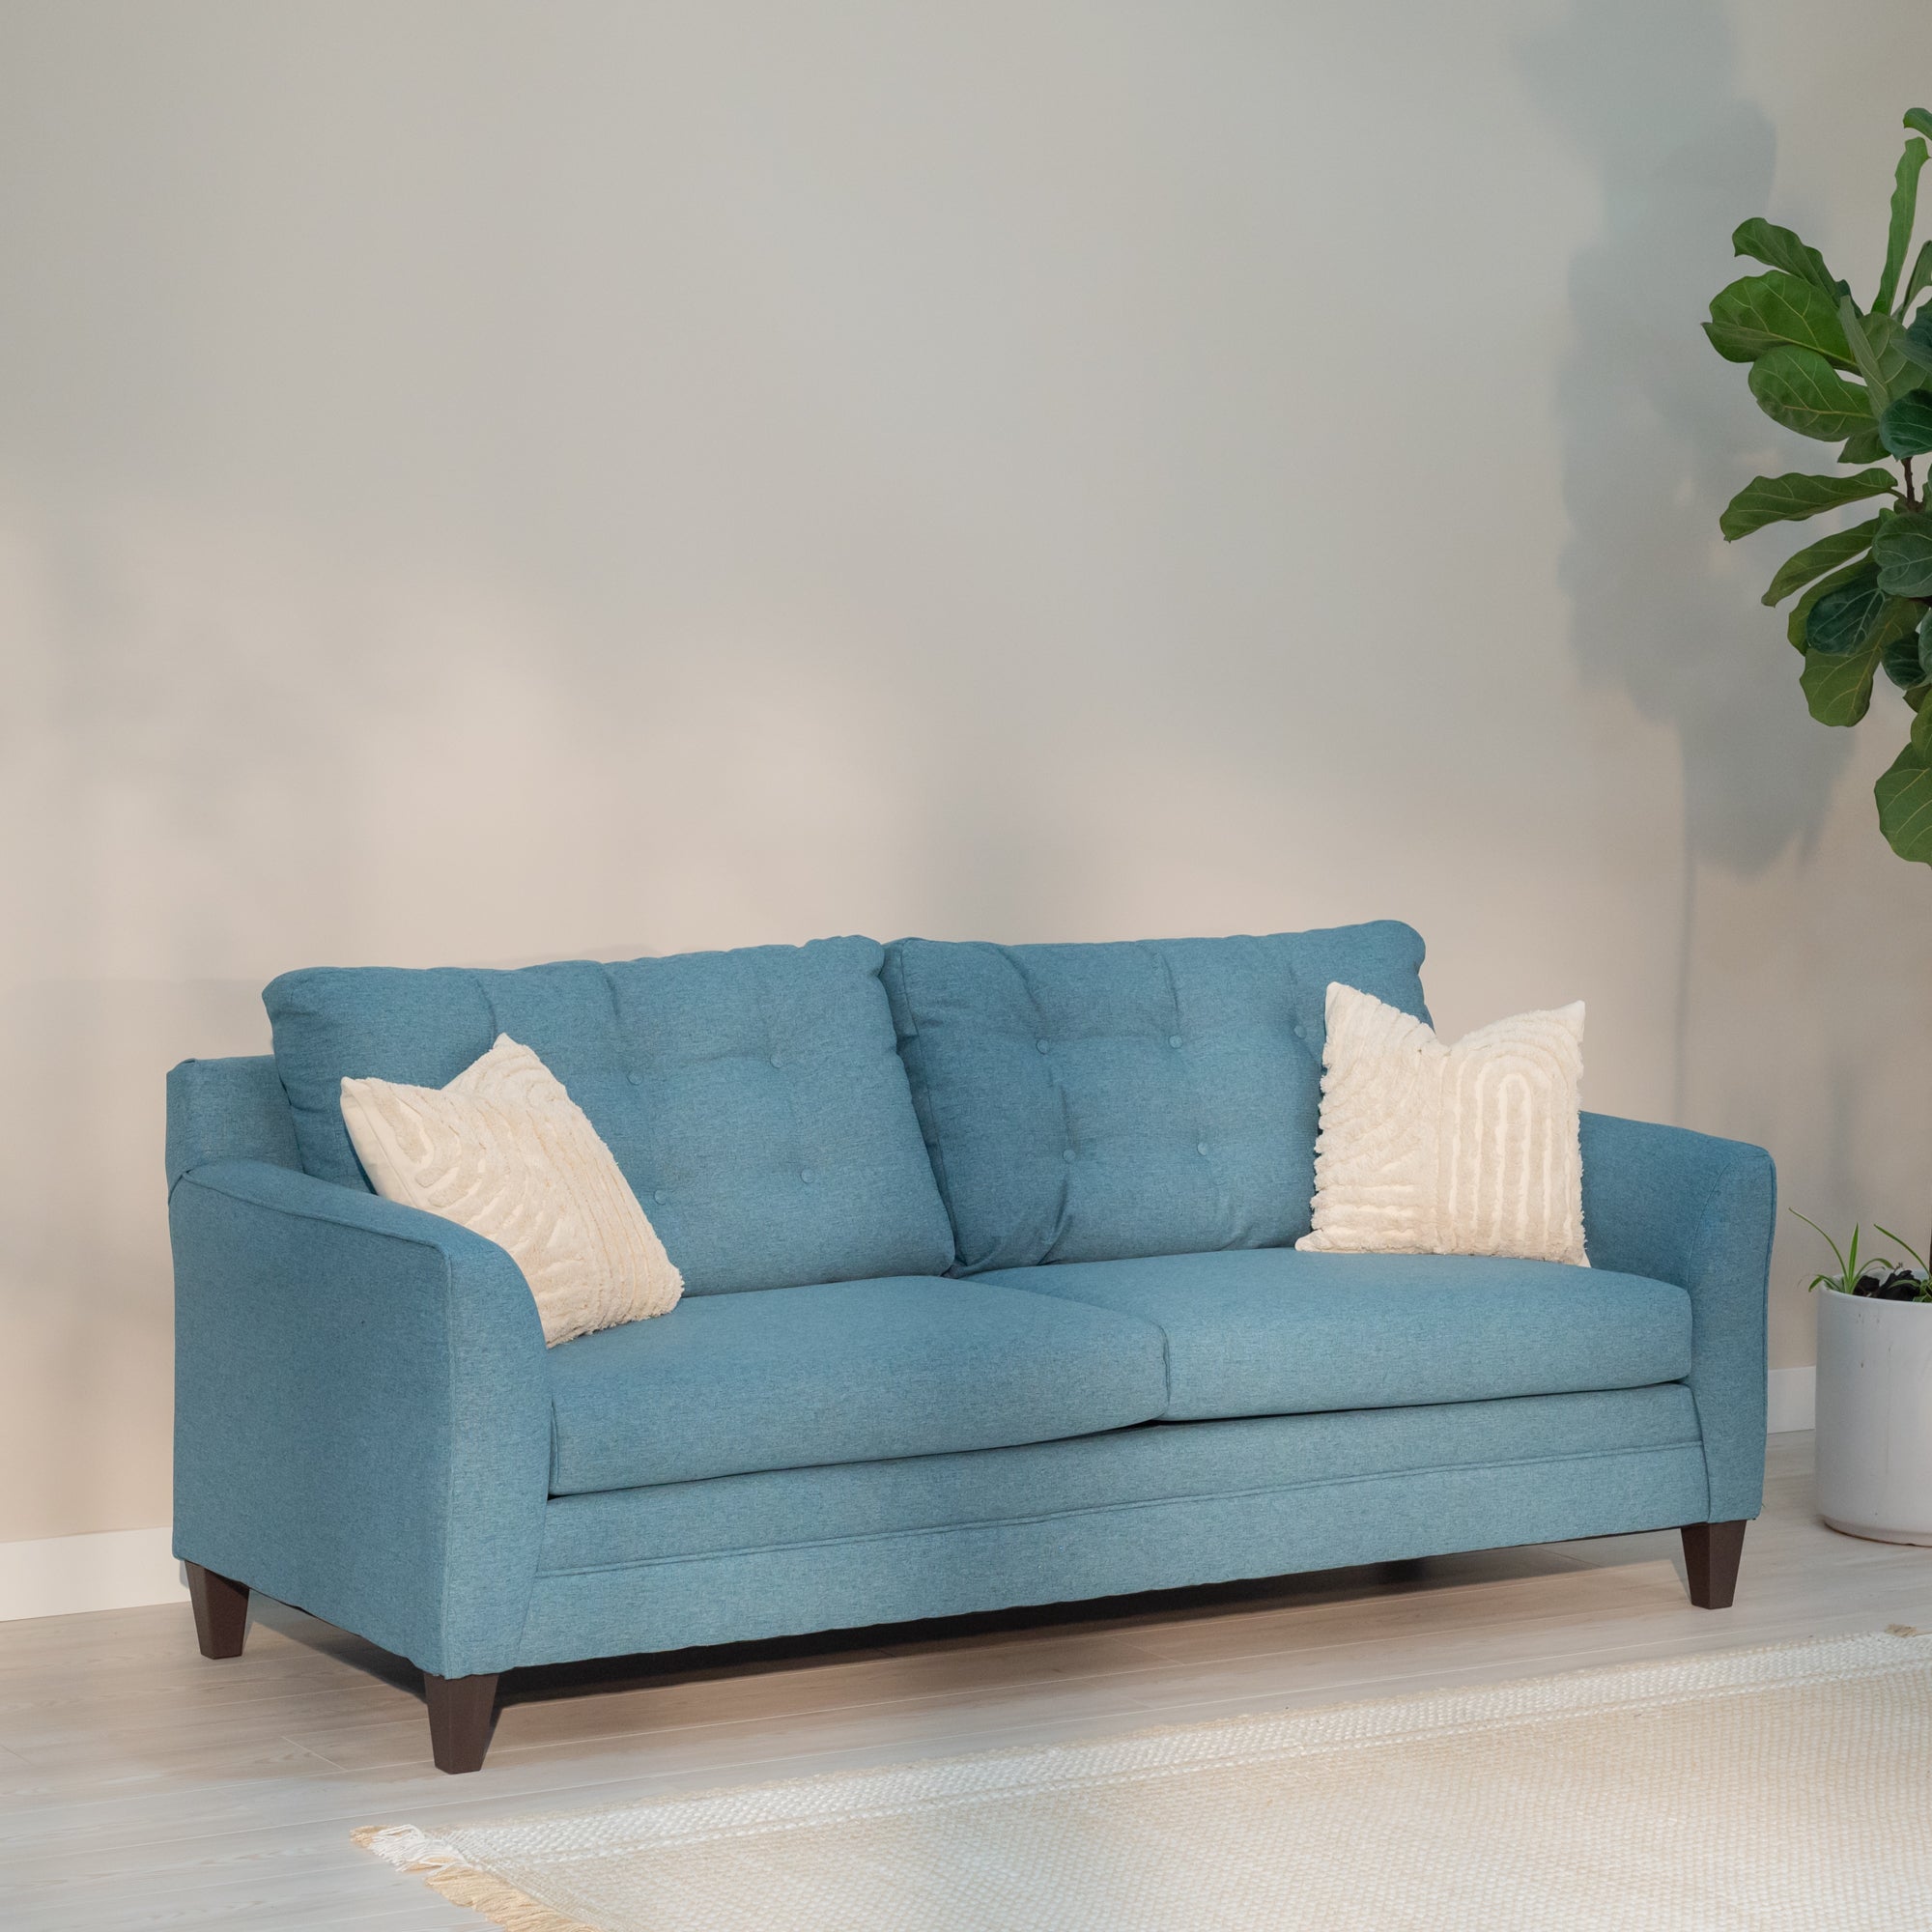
column 1875, row 1416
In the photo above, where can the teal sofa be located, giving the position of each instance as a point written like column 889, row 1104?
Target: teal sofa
column 991, row 1299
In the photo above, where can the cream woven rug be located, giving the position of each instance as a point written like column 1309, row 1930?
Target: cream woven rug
column 1784, row 1787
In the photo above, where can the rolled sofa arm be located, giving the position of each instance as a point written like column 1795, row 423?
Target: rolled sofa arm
column 361, row 1413
column 1699, row 1212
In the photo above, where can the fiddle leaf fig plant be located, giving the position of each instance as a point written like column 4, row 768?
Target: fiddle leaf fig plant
column 1861, row 377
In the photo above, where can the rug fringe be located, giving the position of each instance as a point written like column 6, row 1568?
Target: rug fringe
column 439, row 1866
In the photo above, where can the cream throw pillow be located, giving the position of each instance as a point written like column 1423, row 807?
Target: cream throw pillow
column 1433, row 1150
column 504, row 1152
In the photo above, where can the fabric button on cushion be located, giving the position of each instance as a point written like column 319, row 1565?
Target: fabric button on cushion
column 1273, row 1331
column 998, row 1113
column 852, row 1372
column 670, row 1060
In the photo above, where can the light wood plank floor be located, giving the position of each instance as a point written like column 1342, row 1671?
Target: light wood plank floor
column 142, row 1786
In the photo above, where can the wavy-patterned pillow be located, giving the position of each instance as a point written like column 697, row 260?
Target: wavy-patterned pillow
column 1464, row 1150
column 508, row 1153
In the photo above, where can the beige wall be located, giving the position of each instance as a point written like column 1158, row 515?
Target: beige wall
column 487, row 482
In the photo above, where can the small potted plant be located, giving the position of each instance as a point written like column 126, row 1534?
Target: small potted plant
column 1875, row 1393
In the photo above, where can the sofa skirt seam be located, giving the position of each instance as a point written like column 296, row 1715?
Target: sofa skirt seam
column 1116, row 1509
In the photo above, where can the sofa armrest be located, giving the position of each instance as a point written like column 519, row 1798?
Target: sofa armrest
column 362, row 1411
column 1699, row 1212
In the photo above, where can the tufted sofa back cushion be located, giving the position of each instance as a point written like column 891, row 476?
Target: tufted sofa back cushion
column 753, row 1100
column 1089, row 1103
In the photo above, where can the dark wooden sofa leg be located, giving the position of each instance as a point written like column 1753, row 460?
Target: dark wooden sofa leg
column 220, row 1611
column 1710, row 1555
column 460, row 1714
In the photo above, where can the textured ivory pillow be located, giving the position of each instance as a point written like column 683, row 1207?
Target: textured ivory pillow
column 508, row 1153
column 1464, row 1150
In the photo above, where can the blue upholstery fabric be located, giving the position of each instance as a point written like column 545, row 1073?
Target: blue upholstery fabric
column 753, row 1100
column 1165, row 1463
column 1269, row 1331
column 1699, row 1212
column 846, row 1373
column 362, row 1411
column 365, row 1410
column 228, row 1110
column 1148, row 1509
column 1094, row 1102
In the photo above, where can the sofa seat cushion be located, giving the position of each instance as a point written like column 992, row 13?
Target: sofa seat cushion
column 851, row 1371
column 1271, row 1331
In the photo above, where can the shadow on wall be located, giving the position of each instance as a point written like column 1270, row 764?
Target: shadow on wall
column 1656, row 440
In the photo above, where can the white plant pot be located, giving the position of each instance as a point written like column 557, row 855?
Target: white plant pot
column 1875, row 1416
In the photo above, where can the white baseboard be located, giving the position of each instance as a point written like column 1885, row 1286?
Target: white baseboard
column 121, row 1569
column 1793, row 1399
column 112, row 1569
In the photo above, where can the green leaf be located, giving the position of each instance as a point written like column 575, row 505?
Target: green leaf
column 1846, row 620
column 1800, row 389
column 1859, row 616
column 1790, row 499
column 1898, row 372
column 1920, row 280
column 1798, row 622
column 1864, row 447
column 1899, row 619
column 1904, row 795
column 1919, row 119
column 1761, row 312
column 1875, row 345
column 1916, row 344
column 1898, row 237
column 1838, row 690
column 1902, row 653
column 1903, row 554
column 1906, row 426
column 1900, row 660
column 1778, row 247
column 1827, row 554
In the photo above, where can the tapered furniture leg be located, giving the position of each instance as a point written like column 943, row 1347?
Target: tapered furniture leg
column 220, row 1611
column 1710, row 1555
column 460, row 1714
